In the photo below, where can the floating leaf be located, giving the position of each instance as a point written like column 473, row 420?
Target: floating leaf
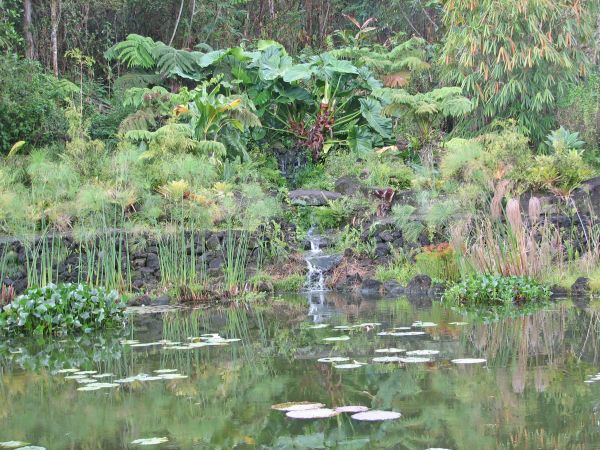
column 386, row 359
column 173, row 376
column 150, row 441
column 376, row 415
column 419, row 324
column 352, row 365
column 333, row 359
column 390, row 350
column 318, row 326
column 414, row 359
column 401, row 333
column 422, row 352
column 67, row 371
column 319, row 413
column 86, row 372
column 103, row 375
column 97, row 386
column 13, row 444
column 337, row 338
column 343, row 327
column 297, row 406
column 353, row 409
column 469, row 361
column 401, row 328
column 129, row 342
column 165, row 371
column 458, row 323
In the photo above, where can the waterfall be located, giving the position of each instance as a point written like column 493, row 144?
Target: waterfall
column 318, row 263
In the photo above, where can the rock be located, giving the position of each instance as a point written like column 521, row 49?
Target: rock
column 308, row 197
column 152, row 261
column 142, row 300
column 382, row 250
column 348, row 185
column 213, row 243
column 348, row 253
column 386, row 236
column 162, row 300
column 581, row 286
column 393, row 288
column 559, row 291
column 215, row 263
column 264, row 286
column 437, row 289
column 420, row 284
column 325, row 263
column 370, row 286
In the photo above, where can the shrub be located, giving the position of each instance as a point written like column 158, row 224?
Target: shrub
column 439, row 262
column 60, row 309
column 495, row 291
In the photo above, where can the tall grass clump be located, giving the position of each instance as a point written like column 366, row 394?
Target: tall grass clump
column 177, row 257
column 236, row 255
column 43, row 257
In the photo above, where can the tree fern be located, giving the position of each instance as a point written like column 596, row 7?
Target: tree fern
column 171, row 62
column 135, row 51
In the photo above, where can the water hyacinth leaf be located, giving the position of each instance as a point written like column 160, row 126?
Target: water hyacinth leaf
column 469, row 361
column 422, row 352
column 318, row 326
column 297, row 406
column 150, row 441
column 414, row 360
column 352, row 409
column 336, row 338
column 333, row 359
column 376, row 416
column 319, row 413
column 390, row 350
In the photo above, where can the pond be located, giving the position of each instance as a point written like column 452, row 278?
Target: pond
column 536, row 388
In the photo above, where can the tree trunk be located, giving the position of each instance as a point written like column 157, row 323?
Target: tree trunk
column 55, row 19
column 29, row 44
column 176, row 23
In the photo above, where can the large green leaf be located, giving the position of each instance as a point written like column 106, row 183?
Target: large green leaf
column 298, row 72
column 371, row 110
column 273, row 64
column 208, row 59
column 359, row 140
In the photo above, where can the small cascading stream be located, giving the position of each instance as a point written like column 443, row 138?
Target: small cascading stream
column 318, row 263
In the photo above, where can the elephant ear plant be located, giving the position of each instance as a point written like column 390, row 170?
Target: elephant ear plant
column 62, row 309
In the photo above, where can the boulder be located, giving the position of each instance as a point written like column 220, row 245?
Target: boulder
column 349, row 185
column 310, row 197
column 370, row 287
column 420, row 284
column 393, row 288
column 142, row 300
column 581, row 286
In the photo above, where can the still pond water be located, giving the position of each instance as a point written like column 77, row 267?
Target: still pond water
column 535, row 390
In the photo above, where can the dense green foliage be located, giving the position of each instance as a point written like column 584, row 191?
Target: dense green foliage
column 492, row 291
column 61, row 309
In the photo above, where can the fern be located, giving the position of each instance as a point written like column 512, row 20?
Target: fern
column 172, row 62
column 213, row 148
column 143, row 119
column 135, row 51
column 136, row 97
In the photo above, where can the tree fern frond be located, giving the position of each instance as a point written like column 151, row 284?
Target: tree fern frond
column 135, row 51
column 143, row 119
column 173, row 62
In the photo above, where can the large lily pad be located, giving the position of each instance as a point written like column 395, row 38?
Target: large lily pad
column 422, row 352
column 352, row 409
column 13, row 444
column 352, row 365
column 297, row 406
column 414, row 360
column 390, row 350
column 386, row 359
column 469, row 361
column 150, row 441
column 319, row 413
column 336, row 338
column 376, row 416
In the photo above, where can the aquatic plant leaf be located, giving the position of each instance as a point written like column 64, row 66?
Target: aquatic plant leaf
column 297, row 406
column 86, row 372
column 469, row 361
column 173, row 376
column 319, row 413
column 376, row 416
column 129, row 341
column 343, row 327
column 386, row 359
column 318, row 326
column 353, row 409
column 67, row 371
column 390, row 350
column 165, row 371
column 401, row 328
column 422, row 352
column 401, row 333
column 336, row 338
column 333, row 359
column 150, row 441
column 145, row 344
column 103, row 375
column 75, row 377
column 85, row 380
column 353, row 365
column 13, row 444
column 97, row 386
column 458, row 323
column 32, row 447
column 419, row 324
column 414, row 360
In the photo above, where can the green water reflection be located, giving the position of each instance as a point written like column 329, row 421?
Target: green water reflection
column 530, row 394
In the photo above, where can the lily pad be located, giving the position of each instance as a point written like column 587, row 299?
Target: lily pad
column 352, row 409
column 376, row 416
column 390, row 350
column 414, row 360
column 86, row 372
column 173, row 376
column 336, row 338
column 150, row 441
column 85, row 380
column 165, row 371
column 297, row 406
column 96, row 386
column 419, row 324
column 145, row 344
column 458, row 323
column 333, row 359
column 129, row 342
column 422, row 352
column 67, row 371
column 103, row 375
column 386, row 359
column 75, row 377
column 469, row 361
column 352, row 365
column 401, row 333
column 319, row 413
column 343, row 327
column 13, row 444
column 318, row 326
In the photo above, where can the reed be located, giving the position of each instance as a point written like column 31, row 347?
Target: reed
column 177, row 258
column 236, row 259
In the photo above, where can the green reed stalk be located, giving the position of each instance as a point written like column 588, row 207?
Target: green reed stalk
column 236, row 259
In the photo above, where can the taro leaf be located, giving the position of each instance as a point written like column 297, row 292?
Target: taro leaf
column 298, row 72
column 371, row 110
column 359, row 140
column 333, row 65
column 292, row 94
column 210, row 58
column 273, row 64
